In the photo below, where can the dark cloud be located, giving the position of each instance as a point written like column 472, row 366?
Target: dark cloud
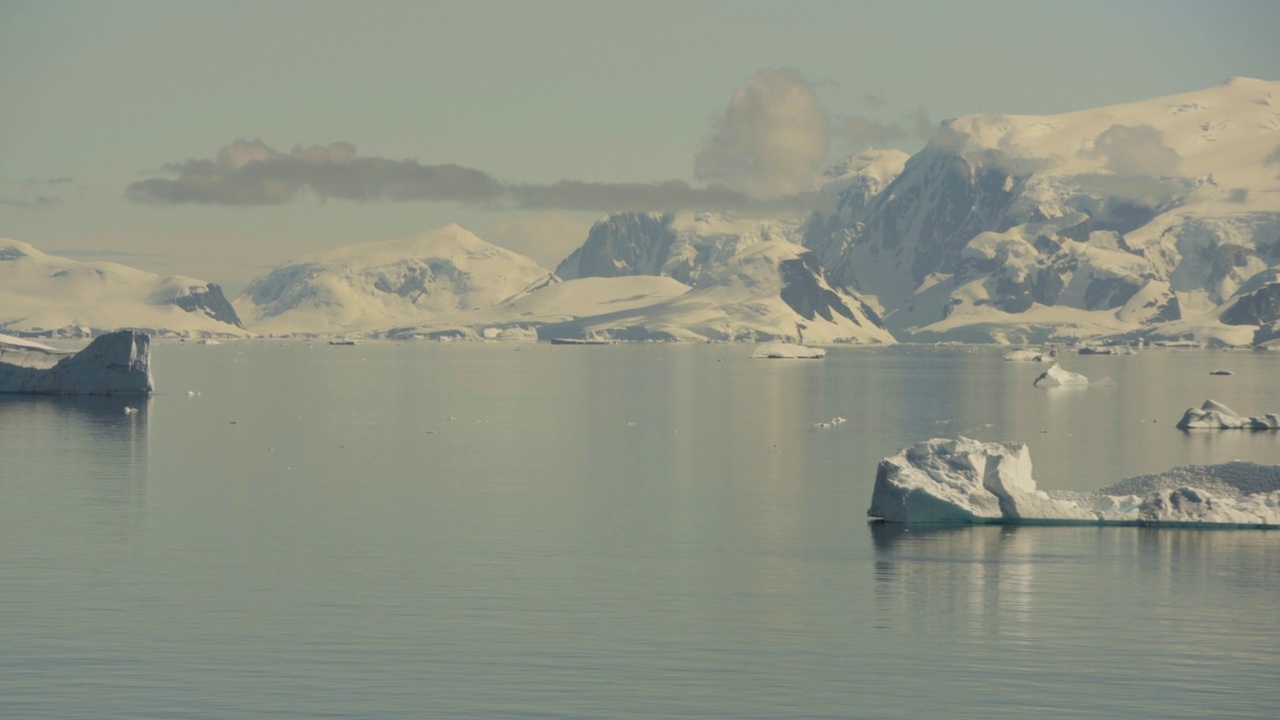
column 248, row 172
column 1136, row 150
column 1238, row 195
column 771, row 140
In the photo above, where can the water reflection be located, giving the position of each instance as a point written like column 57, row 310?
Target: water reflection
column 980, row 578
column 88, row 452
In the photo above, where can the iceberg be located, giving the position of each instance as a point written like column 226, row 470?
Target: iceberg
column 117, row 363
column 1213, row 415
column 1029, row 355
column 964, row 481
column 1056, row 376
column 788, row 351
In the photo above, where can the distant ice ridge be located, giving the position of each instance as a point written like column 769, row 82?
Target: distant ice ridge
column 117, row 363
column 790, row 351
column 1214, row 415
column 959, row 481
column 1030, row 355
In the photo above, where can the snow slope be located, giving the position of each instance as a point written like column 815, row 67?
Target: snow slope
column 375, row 286
column 1124, row 219
column 680, row 245
column 769, row 291
column 50, row 295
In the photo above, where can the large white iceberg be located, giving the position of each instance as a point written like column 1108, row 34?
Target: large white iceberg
column 788, row 351
column 959, row 480
column 1214, row 415
column 117, row 363
column 1056, row 376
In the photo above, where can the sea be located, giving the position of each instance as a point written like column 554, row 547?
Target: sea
column 519, row 530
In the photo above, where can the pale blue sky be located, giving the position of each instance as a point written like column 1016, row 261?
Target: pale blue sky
column 105, row 94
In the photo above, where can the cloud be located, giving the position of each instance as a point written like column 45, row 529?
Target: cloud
column 1135, row 150
column 248, row 172
column 771, row 140
column 547, row 238
column 32, row 192
column 669, row 195
column 1273, row 158
column 859, row 131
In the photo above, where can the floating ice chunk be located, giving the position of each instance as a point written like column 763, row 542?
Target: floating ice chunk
column 788, row 351
column 1056, row 376
column 1107, row 350
column 1221, row 372
column 967, row 481
column 1213, row 415
column 1029, row 355
column 117, row 363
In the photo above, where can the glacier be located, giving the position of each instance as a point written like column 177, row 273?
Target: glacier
column 964, row 481
column 116, row 363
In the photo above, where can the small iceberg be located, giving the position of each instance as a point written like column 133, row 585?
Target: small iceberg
column 1221, row 372
column 117, row 363
column 1107, row 350
column 1029, row 355
column 1213, row 415
column 1056, row 376
column 777, row 350
column 964, row 481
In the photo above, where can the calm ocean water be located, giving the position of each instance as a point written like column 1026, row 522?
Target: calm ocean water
column 653, row 531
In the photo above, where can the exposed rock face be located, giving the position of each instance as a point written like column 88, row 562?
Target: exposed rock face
column 117, row 363
column 1260, row 307
column 1136, row 215
column 682, row 246
column 208, row 300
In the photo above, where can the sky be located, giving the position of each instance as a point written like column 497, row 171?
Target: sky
column 220, row 139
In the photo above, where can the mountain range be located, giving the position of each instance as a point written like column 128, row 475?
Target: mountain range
column 1156, row 220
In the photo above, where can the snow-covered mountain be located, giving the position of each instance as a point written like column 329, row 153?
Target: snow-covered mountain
column 376, row 286
column 1147, row 218
column 54, row 296
column 681, row 245
column 772, row 290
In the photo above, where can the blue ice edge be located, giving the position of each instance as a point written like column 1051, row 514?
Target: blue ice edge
column 960, row 481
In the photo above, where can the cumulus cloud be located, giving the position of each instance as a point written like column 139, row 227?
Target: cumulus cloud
column 1136, row 150
column 771, row 140
column 248, row 172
